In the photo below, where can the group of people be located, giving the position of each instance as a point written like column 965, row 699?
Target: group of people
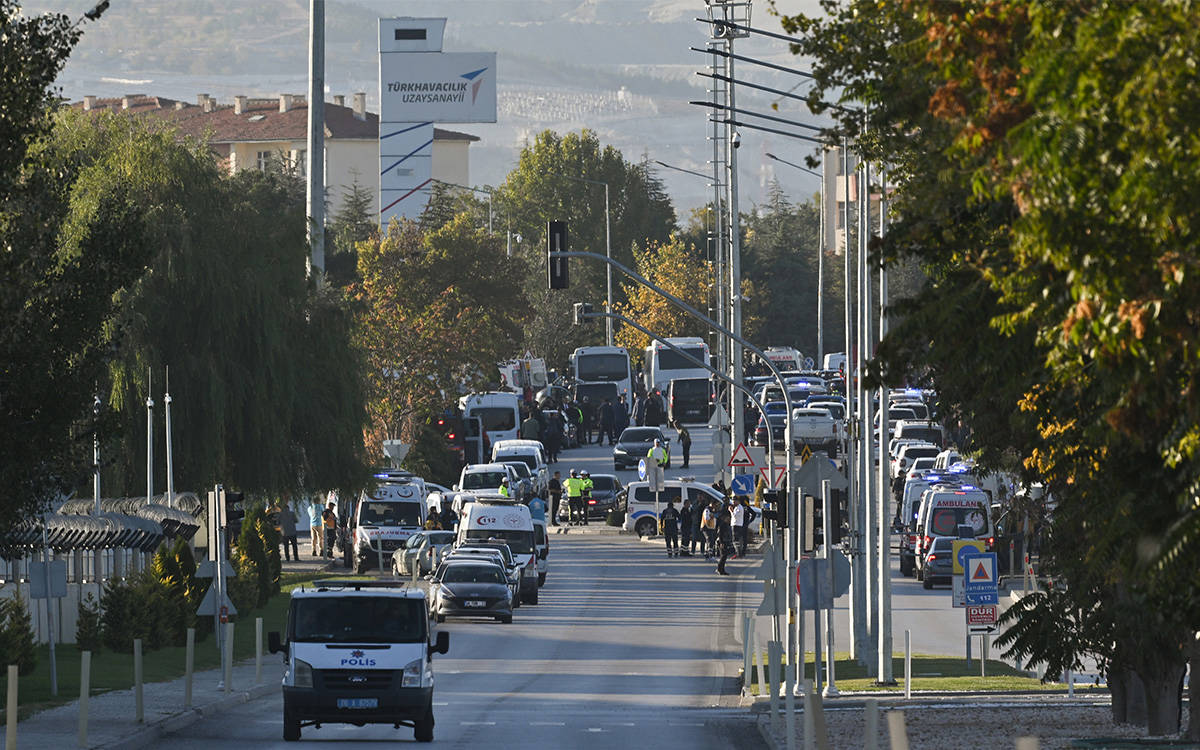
column 578, row 489
column 721, row 530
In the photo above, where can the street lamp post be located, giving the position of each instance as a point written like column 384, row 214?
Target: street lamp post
column 608, row 326
column 820, row 253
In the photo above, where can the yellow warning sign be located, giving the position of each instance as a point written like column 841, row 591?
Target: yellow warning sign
column 805, row 454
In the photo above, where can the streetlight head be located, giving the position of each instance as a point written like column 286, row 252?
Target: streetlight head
column 769, row 155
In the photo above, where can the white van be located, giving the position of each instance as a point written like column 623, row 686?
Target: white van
column 925, row 430
column 499, row 411
column 384, row 520
column 532, row 454
column 511, row 523
column 541, row 542
column 944, row 508
column 358, row 652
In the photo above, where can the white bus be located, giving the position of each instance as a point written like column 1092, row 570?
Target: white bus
column 664, row 364
column 602, row 372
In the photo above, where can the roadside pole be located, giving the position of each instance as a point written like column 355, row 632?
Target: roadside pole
column 831, row 686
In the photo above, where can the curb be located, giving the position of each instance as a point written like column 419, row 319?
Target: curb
column 155, row 731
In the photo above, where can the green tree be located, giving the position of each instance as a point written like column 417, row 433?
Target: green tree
column 354, row 222
column 16, row 636
column 1046, row 189
column 677, row 269
column 539, row 190
column 59, row 276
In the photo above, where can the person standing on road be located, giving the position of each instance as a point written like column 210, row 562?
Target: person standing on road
column 555, row 489
column 686, row 514
column 621, row 413
column 658, row 454
column 708, row 524
column 697, row 528
column 607, row 423
column 724, row 538
column 314, row 527
column 447, row 514
column 574, row 487
column 639, row 410
column 669, row 521
column 585, row 499
column 685, row 442
column 530, row 428
column 287, row 531
column 742, row 531
column 554, row 432
column 329, row 519
column 589, row 420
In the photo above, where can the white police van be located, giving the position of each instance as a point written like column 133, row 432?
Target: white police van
column 358, row 652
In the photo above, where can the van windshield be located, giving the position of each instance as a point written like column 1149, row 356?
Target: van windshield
column 520, row 542
column 358, row 619
column 526, row 458
column 378, row 513
column 496, row 417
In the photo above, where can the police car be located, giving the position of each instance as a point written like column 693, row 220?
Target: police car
column 641, row 514
column 358, row 652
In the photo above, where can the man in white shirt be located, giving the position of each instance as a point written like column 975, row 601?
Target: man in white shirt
column 739, row 528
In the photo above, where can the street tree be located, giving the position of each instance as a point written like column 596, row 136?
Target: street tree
column 680, row 270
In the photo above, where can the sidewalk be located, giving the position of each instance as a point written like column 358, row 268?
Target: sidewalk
column 111, row 715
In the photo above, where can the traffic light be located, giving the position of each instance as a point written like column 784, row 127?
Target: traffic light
column 778, row 510
column 234, row 513
column 556, row 242
column 579, row 313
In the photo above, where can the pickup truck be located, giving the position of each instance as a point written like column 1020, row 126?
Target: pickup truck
column 817, row 429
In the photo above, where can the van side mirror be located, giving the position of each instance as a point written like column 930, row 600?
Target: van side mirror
column 274, row 645
column 454, row 487
column 442, row 644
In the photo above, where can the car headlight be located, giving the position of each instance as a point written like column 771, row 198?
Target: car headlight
column 620, row 450
column 302, row 674
column 414, row 674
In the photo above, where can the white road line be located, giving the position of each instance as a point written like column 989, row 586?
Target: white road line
column 595, row 729
column 477, row 723
column 547, row 723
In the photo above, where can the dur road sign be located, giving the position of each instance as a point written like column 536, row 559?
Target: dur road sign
column 963, row 547
column 981, row 615
column 741, row 457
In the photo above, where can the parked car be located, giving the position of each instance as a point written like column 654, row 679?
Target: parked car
column 634, row 443
column 605, row 488
column 471, row 588
column 939, row 563
column 422, row 552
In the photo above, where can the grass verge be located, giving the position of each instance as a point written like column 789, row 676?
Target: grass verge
column 114, row 671
column 936, row 673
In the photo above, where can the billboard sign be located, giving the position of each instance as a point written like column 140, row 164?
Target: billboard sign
column 437, row 87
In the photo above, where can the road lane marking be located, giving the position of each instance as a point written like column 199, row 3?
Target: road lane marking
column 595, row 729
column 477, row 723
column 547, row 723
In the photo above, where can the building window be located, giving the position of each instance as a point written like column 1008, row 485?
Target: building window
column 301, row 162
column 263, row 160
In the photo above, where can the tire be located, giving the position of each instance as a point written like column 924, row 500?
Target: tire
column 617, row 467
column 505, row 619
column 441, row 618
column 423, row 727
column 530, row 598
column 644, row 527
column 906, row 568
column 360, row 567
column 541, row 579
column 291, row 727
column 927, row 583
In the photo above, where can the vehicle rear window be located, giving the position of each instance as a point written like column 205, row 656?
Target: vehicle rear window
column 914, row 453
column 472, row 574
column 596, row 392
column 358, row 619
column 690, row 389
column 376, row 513
column 945, row 521
column 483, row 480
column 519, row 542
column 926, row 434
column 496, row 417
column 639, row 435
column 529, row 461
column 602, row 483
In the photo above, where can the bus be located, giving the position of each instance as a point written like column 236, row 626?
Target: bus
column 602, row 371
column 664, row 364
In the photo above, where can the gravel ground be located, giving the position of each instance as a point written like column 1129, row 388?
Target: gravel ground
column 989, row 723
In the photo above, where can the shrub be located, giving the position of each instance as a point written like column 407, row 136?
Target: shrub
column 16, row 636
column 89, row 632
column 120, row 619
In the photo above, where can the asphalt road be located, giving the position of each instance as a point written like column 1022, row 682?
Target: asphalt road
column 626, row 648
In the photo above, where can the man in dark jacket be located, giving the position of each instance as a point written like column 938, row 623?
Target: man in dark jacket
column 724, row 538
column 686, row 517
column 589, row 420
column 670, row 528
column 607, row 423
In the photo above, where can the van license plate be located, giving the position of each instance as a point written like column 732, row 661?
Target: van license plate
column 358, row 703
column 474, row 603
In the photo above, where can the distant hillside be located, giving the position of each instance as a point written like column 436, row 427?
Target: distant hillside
column 620, row 67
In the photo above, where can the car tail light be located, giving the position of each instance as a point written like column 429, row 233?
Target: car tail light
column 591, row 502
column 933, row 557
column 991, row 542
column 927, row 543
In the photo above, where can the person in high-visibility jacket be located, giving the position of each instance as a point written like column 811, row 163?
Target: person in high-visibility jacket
column 574, row 487
column 586, row 495
column 504, row 487
column 658, row 454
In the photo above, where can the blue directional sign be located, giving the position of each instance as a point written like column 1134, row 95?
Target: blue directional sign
column 642, row 469
column 743, row 484
column 979, row 579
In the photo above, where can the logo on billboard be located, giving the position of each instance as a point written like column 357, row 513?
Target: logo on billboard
column 477, row 83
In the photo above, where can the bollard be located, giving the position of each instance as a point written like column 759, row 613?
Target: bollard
column 747, row 637
column 809, row 729
column 1070, row 683
column 871, row 733
column 189, row 666
column 228, row 657
column 908, row 665
column 897, row 733
column 258, row 651
column 85, row 691
column 138, row 699
column 10, row 714
column 1027, row 743
column 789, row 702
column 773, row 658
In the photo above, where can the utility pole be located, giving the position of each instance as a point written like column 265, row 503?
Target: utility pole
column 149, row 437
column 851, row 373
column 821, row 267
column 170, row 462
column 884, row 630
column 719, row 143
column 315, row 193
column 96, row 454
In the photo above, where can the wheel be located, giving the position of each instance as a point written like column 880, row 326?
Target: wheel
column 441, row 618
column 423, row 727
column 530, row 598
column 360, row 567
column 291, row 727
column 541, row 579
column 506, row 619
column 927, row 582
column 644, row 527
column 906, row 568
column 617, row 467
